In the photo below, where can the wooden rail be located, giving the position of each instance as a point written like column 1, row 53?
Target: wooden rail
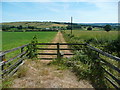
column 8, row 51
column 7, row 66
column 115, row 84
column 104, row 53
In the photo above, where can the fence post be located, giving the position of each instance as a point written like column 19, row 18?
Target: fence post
column 2, row 58
column 22, row 49
column 58, row 51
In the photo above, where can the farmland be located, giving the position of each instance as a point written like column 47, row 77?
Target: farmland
column 16, row 39
column 32, row 26
column 99, row 35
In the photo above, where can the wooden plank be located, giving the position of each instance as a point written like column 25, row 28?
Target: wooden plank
column 66, row 49
column 46, row 48
column 12, row 66
column 114, row 85
column 59, row 44
column 69, row 49
column 46, row 44
column 47, row 58
column 110, row 65
column 1, row 63
column 47, row 53
column 19, row 55
column 117, row 80
column 8, row 51
column 13, row 71
column 72, row 44
column 104, row 53
column 54, row 54
column 56, row 49
column 69, row 54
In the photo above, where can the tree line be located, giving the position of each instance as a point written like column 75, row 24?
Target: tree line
column 68, row 27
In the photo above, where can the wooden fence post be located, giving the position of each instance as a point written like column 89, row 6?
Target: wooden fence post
column 22, row 49
column 58, row 51
column 2, row 58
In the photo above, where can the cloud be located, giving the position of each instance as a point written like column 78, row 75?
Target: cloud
column 106, row 5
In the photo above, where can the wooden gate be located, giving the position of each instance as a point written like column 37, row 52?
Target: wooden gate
column 59, row 54
column 8, row 68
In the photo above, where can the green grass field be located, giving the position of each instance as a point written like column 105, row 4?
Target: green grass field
column 99, row 35
column 15, row 39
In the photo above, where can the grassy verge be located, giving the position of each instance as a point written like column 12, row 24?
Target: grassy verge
column 86, row 65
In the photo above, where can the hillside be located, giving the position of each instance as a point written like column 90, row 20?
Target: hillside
column 35, row 24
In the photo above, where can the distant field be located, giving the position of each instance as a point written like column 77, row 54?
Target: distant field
column 99, row 35
column 36, row 24
column 14, row 39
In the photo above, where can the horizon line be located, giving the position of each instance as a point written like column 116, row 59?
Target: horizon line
column 56, row 21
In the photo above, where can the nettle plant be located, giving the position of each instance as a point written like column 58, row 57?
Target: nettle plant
column 32, row 48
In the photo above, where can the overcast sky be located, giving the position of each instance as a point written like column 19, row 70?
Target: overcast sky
column 82, row 11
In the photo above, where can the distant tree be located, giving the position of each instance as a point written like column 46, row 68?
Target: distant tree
column 76, row 26
column 5, row 27
column 107, row 28
column 19, row 27
column 12, row 27
column 31, row 27
column 89, row 28
column 54, row 27
column 63, row 28
column 68, row 27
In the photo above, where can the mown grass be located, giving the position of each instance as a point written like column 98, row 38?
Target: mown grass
column 15, row 39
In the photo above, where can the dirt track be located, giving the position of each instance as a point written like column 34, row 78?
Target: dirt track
column 41, row 75
column 58, row 39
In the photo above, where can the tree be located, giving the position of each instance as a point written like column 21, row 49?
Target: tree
column 89, row 28
column 5, row 27
column 31, row 27
column 68, row 27
column 77, row 26
column 20, row 27
column 107, row 28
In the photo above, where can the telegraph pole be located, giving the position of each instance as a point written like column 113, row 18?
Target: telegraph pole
column 71, row 25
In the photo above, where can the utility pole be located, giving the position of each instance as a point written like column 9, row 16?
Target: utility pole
column 71, row 25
